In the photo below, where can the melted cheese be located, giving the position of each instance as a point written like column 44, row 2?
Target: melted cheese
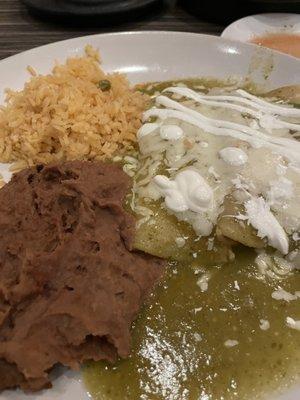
column 289, row 148
column 224, row 144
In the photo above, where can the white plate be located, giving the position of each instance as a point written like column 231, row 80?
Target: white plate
column 146, row 56
column 247, row 28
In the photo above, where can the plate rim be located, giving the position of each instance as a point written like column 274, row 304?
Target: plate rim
column 228, row 29
column 140, row 33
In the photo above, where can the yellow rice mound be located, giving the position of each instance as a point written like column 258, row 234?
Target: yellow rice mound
column 66, row 116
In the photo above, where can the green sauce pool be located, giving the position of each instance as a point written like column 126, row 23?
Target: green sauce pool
column 190, row 344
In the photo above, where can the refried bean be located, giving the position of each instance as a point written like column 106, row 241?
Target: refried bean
column 70, row 284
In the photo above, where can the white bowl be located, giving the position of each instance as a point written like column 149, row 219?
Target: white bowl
column 147, row 56
column 247, row 28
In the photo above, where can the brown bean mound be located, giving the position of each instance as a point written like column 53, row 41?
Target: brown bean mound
column 70, row 286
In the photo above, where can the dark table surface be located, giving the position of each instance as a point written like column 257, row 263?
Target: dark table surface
column 21, row 30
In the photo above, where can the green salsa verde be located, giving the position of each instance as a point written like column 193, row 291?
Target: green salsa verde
column 180, row 340
column 228, row 342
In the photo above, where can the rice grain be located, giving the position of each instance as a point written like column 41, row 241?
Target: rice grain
column 65, row 116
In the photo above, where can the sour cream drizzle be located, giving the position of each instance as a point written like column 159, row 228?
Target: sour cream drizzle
column 233, row 156
column 146, row 129
column 230, row 104
column 287, row 147
column 167, row 132
column 244, row 98
column 171, row 132
column 187, row 191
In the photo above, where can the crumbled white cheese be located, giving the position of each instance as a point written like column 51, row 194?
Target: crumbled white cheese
column 280, row 190
column 236, row 285
column 222, row 131
column 210, row 244
column 264, row 324
column 202, row 282
column 197, row 337
column 231, row 343
column 196, row 310
column 180, row 241
column 261, row 218
column 281, row 294
column 291, row 323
